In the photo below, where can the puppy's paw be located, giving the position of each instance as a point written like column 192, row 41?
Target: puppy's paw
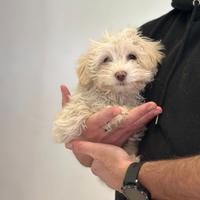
column 116, row 121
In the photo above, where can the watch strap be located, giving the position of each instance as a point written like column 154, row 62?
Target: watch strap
column 131, row 177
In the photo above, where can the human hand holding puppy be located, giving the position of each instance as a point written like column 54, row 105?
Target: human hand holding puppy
column 136, row 120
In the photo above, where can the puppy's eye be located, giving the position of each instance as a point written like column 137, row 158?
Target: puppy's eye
column 131, row 57
column 106, row 60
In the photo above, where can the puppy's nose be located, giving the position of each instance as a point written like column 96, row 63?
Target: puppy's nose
column 120, row 75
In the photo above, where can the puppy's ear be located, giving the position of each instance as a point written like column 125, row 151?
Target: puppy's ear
column 83, row 70
column 151, row 51
column 154, row 52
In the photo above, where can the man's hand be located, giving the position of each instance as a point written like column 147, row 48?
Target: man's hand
column 109, row 162
column 136, row 120
column 65, row 94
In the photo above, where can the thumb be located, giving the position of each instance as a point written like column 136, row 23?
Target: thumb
column 65, row 94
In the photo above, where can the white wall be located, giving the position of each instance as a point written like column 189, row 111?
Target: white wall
column 40, row 41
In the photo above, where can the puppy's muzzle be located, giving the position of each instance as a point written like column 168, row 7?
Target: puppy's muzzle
column 120, row 75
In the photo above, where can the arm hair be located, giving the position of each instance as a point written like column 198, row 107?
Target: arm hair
column 172, row 179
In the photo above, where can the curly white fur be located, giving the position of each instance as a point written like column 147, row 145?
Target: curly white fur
column 113, row 72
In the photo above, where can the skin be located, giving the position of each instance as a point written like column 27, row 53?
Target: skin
column 176, row 179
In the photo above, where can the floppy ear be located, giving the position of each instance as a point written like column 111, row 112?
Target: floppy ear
column 153, row 51
column 83, row 70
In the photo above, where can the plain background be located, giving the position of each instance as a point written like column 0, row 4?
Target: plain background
column 40, row 41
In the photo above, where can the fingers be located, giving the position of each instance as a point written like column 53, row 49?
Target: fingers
column 65, row 94
column 147, row 117
column 130, row 127
column 86, row 148
column 98, row 120
column 84, row 159
column 136, row 120
column 94, row 150
column 104, row 116
column 139, row 111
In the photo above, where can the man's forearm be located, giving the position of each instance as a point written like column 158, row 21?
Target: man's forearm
column 172, row 179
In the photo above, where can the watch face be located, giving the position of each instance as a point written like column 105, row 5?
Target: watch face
column 132, row 193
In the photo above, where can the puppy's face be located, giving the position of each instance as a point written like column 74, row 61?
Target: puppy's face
column 120, row 62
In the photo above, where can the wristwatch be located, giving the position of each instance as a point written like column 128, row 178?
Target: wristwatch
column 132, row 189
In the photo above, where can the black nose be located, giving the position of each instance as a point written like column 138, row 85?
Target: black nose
column 120, row 75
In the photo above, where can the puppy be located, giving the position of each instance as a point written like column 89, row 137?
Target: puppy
column 113, row 72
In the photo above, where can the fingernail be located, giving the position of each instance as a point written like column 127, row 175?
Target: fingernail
column 152, row 106
column 158, row 111
column 68, row 146
column 117, row 111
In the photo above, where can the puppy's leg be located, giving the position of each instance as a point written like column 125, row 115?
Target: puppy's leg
column 116, row 121
column 131, row 147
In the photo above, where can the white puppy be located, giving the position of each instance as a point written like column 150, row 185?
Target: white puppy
column 113, row 72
